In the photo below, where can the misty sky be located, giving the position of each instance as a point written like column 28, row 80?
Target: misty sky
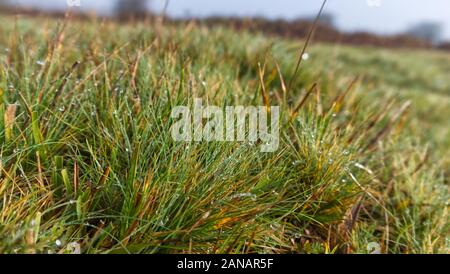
column 392, row 16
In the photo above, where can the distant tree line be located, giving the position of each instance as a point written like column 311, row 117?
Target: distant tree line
column 131, row 8
column 428, row 31
column 421, row 35
column 325, row 31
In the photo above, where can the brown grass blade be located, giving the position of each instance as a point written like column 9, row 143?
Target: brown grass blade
column 305, row 46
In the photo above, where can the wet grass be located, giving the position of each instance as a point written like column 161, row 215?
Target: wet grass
column 88, row 163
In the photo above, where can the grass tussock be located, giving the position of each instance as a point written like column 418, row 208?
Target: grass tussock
column 87, row 162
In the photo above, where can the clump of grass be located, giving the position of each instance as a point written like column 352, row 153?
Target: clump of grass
column 88, row 162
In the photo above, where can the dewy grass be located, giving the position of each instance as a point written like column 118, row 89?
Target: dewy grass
column 88, row 163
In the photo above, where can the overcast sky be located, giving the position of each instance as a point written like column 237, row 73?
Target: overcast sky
column 390, row 16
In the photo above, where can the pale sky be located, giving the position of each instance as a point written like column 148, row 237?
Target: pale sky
column 391, row 16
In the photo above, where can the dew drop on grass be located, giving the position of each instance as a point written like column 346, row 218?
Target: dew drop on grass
column 162, row 223
column 275, row 226
column 74, row 248
column 244, row 195
column 40, row 63
column 58, row 243
column 62, row 109
column 305, row 56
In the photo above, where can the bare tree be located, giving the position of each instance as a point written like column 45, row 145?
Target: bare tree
column 131, row 8
column 428, row 31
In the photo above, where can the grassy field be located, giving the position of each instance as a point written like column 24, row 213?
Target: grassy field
column 88, row 164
